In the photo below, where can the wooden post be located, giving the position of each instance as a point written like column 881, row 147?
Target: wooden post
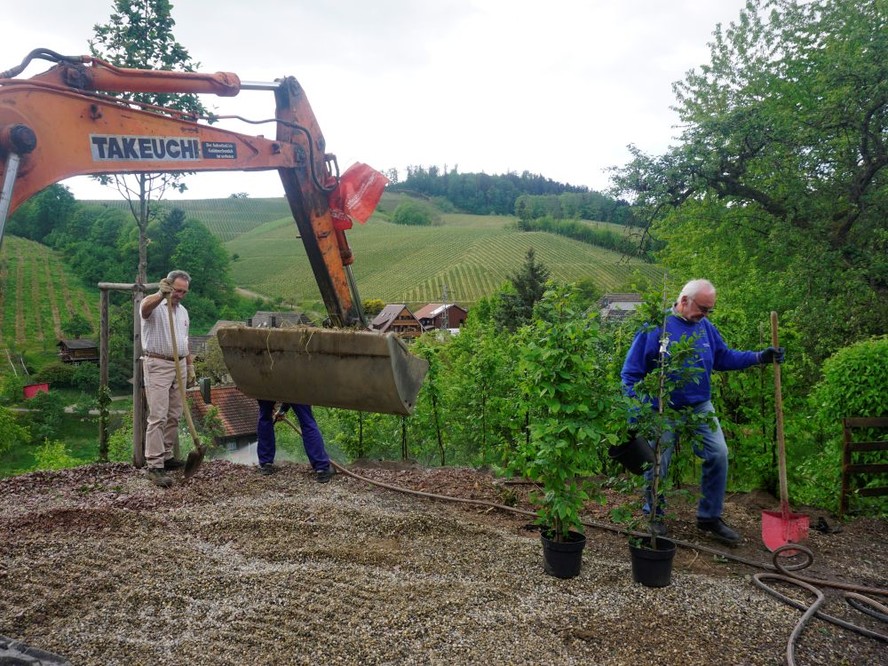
column 103, row 373
column 139, row 423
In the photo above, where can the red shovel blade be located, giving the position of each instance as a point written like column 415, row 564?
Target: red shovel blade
column 780, row 528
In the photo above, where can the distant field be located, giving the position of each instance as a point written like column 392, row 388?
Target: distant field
column 468, row 255
column 37, row 296
column 225, row 218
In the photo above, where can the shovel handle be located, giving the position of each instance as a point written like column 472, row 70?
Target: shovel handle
column 177, row 363
column 778, row 409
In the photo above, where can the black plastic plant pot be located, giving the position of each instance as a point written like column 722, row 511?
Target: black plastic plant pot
column 635, row 455
column 563, row 559
column 652, row 568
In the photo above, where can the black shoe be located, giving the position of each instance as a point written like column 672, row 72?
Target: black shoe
column 717, row 528
column 171, row 464
column 158, row 476
column 658, row 528
column 267, row 469
column 324, row 475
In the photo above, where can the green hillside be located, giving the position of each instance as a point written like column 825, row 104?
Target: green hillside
column 469, row 255
column 37, row 296
column 225, row 218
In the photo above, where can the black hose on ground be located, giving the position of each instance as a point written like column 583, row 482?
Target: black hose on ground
column 857, row 601
column 777, row 570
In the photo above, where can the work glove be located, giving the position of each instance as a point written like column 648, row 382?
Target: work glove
column 166, row 287
column 772, row 354
column 192, row 377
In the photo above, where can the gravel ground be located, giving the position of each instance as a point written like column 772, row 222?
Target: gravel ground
column 100, row 567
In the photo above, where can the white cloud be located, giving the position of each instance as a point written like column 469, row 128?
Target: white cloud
column 556, row 88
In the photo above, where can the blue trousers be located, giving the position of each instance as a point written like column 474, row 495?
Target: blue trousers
column 713, row 450
column 312, row 440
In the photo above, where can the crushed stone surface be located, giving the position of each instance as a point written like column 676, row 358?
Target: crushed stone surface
column 101, row 567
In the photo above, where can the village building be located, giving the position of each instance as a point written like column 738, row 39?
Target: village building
column 441, row 316
column 398, row 319
column 78, row 351
column 617, row 307
column 237, row 413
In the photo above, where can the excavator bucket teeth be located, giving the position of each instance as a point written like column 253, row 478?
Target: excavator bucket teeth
column 348, row 369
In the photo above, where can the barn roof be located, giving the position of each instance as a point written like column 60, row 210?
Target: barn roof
column 237, row 412
column 77, row 344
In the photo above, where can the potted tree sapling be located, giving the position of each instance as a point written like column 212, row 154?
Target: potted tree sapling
column 653, row 416
column 566, row 407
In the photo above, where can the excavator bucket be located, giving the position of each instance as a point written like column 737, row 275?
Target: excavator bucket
column 341, row 368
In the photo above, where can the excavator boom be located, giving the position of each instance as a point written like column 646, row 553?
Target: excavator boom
column 63, row 123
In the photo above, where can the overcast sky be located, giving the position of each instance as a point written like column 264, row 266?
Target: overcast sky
column 558, row 88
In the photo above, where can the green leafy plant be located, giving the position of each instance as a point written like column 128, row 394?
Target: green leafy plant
column 12, row 434
column 854, row 384
column 653, row 415
column 53, row 454
column 567, row 409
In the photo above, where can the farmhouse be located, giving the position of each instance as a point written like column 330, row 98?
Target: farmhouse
column 397, row 318
column 264, row 319
column 78, row 351
column 441, row 315
column 617, row 307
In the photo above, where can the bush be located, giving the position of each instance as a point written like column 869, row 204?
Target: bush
column 86, row 377
column 120, row 441
column 413, row 213
column 12, row 435
column 57, row 374
column 46, row 411
column 54, row 455
column 854, row 384
column 12, row 389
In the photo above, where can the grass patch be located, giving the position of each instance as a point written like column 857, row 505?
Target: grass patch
column 79, row 434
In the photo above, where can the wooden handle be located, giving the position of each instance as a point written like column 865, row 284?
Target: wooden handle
column 778, row 409
column 178, row 364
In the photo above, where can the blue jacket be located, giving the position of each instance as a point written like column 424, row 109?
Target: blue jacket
column 712, row 354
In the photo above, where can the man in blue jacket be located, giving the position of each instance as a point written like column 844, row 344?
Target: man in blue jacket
column 688, row 320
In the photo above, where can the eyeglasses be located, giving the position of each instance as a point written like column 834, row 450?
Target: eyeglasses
column 703, row 309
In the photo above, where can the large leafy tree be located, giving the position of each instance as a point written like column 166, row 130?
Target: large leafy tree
column 139, row 35
column 779, row 173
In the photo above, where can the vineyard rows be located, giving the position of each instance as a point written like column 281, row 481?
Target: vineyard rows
column 471, row 258
column 225, row 218
column 38, row 297
column 469, row 255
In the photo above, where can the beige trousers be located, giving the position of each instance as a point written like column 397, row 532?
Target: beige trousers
column 164, row 410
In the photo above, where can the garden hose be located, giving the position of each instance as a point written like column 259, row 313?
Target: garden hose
column 777, row 570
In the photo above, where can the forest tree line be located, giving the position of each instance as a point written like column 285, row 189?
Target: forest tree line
column 529, row 196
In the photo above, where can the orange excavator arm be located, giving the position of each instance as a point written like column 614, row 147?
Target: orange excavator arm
column 60, row 124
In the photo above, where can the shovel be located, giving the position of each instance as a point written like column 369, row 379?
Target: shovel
column 195, row 458
column 781, row 527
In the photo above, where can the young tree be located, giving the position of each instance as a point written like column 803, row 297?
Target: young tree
column 784, row 152
column 529, row 283
column 139, row 35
